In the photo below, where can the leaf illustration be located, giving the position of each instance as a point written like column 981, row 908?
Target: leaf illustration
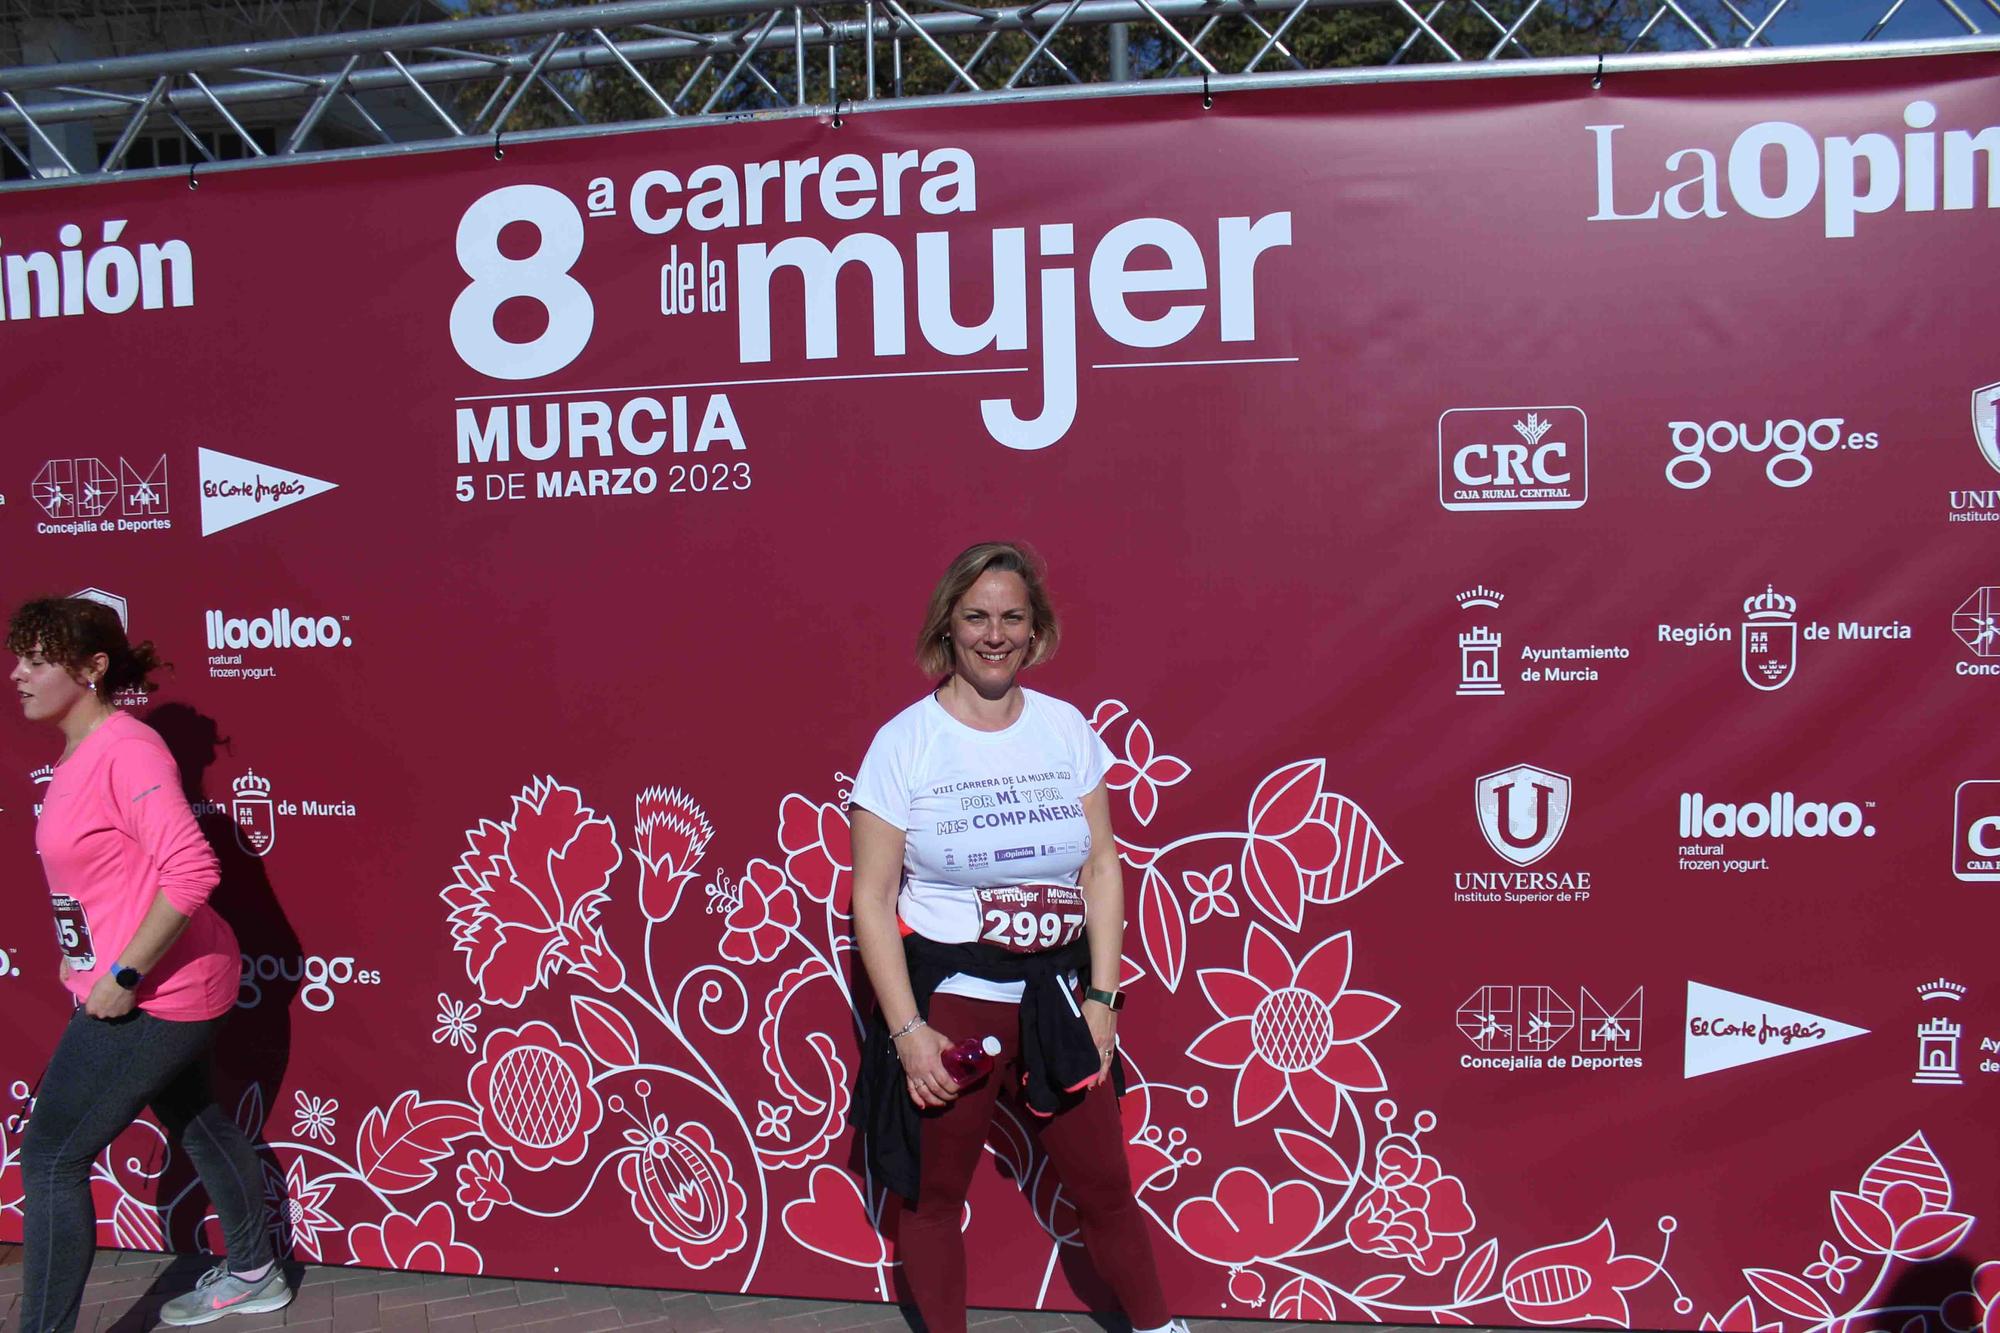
column 1315, row 1157
column 1379, row 1286
column 1450, row 1319
column 1162, row 928
column 1364, row 854
column 1862, row 1223
column 1931, row 1235
column 1105, row 714
column 607, row 1033
column 1787, row 1294
column 1913, row 1161
column 1476, row 1272
column 250, row 1110
column 1303, row 1298
column 1284, row 800
column 397, row 1146
column 1272, row 882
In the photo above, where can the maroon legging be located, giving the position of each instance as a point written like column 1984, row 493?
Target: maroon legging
column 1086, row 1144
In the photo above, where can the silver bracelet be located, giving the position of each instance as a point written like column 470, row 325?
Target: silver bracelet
column 916, row 1021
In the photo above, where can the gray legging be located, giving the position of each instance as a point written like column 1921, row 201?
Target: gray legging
column 100, row 1077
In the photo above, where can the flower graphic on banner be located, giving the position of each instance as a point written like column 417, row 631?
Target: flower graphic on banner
column 819, row 851
column 1415, row 1212
column 684, row 1190
column 672, row 833
column 525, row 895
column 1832, row 1267
column 761, row 912
column 298, row 1208
column 1578, row 1280
column 457, row 1023
column 1289, row 858
column 534, row 1096
column 314, row 1118
column 1294, row 1030
column 1143, row 771
column 426, row 1243
column 1210, row 894
column 482, row 1184
column 1246, row 1219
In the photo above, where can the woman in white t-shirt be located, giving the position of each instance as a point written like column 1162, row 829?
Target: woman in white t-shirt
column 987, row 893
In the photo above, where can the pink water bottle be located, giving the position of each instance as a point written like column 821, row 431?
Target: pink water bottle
column 971, row 1060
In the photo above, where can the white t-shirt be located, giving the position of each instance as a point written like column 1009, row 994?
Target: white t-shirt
column 994, row 834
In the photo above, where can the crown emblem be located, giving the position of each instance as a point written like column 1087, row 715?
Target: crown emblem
column 43, row 774
column 1941, row 990
column 1533, row 428
column 1769, row 605
column 1480, row 596
column 251, row 785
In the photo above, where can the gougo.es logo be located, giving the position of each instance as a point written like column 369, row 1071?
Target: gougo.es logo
column 314, row 976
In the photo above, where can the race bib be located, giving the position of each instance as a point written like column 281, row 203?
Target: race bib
column 73, row 933
column 1029, row 918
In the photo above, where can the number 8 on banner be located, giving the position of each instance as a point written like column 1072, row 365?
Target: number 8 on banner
column 542, row 276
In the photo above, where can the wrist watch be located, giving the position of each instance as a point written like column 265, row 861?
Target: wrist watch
column 1114, row 1000
column 128, row 978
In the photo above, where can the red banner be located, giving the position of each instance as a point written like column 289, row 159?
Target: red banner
column 1526, row 543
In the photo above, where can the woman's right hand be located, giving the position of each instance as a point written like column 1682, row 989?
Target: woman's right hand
column 923, row 1072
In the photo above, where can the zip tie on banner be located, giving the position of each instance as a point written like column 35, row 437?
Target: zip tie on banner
column 192, row 182
column 837, row 99
column 1597, row 80
column 498, row 151
column 1207, row 101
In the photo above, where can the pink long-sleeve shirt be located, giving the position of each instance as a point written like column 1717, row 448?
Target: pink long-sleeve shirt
column 115, row 833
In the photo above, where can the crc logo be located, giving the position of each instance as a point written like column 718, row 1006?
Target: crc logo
column 1513, row 458
column 1522, row 811
column 280, row 629
column 318, row 975
column 1975, row 839
column 1794, row 441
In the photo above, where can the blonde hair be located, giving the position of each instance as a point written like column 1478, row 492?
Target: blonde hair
column 934, row 656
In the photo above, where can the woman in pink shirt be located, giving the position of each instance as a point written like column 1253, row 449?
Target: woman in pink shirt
column 152, row 968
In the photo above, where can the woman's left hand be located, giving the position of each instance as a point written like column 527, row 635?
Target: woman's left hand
column 1103, row 1023
column 108, row 999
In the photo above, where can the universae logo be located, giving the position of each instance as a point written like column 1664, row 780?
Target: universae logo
column 1522, row 811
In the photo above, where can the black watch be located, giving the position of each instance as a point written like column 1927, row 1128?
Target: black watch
column 128, row 978
column 1114, row 1000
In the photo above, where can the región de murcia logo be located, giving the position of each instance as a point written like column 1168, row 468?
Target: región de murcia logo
column 257, row 814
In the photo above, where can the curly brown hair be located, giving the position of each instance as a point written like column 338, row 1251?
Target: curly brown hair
column 72, row 630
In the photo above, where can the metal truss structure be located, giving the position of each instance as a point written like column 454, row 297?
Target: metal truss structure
column 347, row 91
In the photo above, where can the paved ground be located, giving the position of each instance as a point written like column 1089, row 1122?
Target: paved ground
column 126, row 1290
